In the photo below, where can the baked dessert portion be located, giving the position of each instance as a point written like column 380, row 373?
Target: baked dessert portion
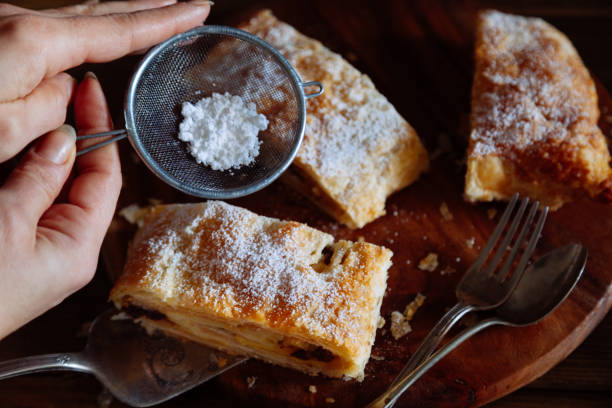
column 534, row 116
column 276, row 290
column 357, row 149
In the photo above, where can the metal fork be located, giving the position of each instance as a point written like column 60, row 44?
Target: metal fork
column 486, row 287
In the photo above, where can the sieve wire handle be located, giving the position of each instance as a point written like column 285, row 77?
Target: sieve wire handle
column 118, row 135
column 313, row 83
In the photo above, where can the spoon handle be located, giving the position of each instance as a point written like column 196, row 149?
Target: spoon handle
column 44, row 362
column 434, row 338
column 388, row 398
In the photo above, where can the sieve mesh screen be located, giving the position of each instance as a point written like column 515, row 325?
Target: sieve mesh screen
column 202, row 61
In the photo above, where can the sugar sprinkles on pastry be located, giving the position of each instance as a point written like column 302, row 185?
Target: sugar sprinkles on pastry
column 276, row 290
column 534, row 116
column 357, row 149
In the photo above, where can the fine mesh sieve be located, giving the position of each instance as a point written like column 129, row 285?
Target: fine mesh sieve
column 193, row 65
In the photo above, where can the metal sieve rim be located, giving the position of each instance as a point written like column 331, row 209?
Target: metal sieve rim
column 135, row 141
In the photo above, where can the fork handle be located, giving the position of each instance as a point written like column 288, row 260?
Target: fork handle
column 43, row 362
column 433, row 338
column 388, row 398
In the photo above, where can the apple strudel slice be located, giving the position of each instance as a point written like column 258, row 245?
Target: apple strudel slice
column 357, row 149
column 534, row 116
column 275, row 290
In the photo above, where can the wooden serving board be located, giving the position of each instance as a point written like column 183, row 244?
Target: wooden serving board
column 421, row 60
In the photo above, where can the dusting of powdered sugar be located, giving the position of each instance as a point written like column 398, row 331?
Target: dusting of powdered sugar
column 222, row 131
column 348, row 123
column 231, row 258
column 531, row 88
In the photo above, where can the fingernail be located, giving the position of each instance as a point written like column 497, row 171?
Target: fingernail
column 202, row 2
column 90, row 74
column 57, row 146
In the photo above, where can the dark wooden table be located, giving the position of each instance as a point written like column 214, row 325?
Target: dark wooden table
column 584, row 379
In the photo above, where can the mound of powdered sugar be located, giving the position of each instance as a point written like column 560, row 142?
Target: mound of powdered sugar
column 222, row 131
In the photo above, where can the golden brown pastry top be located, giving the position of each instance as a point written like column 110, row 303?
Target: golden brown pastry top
column 534, row 103
column 225, row 262
column 356, row 145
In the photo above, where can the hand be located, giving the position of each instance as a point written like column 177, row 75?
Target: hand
column 49, row 249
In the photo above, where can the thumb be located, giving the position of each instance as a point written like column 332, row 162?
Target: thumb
column 37, row 180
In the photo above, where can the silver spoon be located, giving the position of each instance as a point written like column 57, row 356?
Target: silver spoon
column 544, row 286
column 138, row 369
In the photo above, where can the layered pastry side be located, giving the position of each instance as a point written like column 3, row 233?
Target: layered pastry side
column 357, row 149
column 276, row 290
column 534, row 116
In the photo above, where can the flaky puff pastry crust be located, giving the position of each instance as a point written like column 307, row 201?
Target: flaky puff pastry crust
column 276, row 290
column 534, row 116
column 357, row 149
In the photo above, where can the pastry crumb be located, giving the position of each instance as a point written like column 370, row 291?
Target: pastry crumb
column 377, row 358
column 429, row 263
column 408, row 262
column 381, row 322
column 131, row 213
column 491, row 212
column 470, row 242
column 400, row 322
column 330, row 400
column 399, row 325
column 121, row 316
column 446, row 214
column 448, row 270
column 360, row 238
column 312, row 389
column 251, row 381
column 413, row 306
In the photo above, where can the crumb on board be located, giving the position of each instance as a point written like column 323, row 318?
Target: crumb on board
column 446, row 214
column 251, row 381
column 429, row 263
column 121, row 316
column 408, row 262
column 377, row 358
column 130, row 213
column 491, row 212
column 400, row 322
column 470, row 242
column 312, row 389
column 399, row 325
column 448, row 270
column 330, row 400
column 413, row 306
column 381, row 322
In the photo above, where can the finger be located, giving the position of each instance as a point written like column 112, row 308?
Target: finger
column 69, row 41
column 43, row 110
column 9, row 10
column 112, row 7
column 94, row 191
column 37, row 180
